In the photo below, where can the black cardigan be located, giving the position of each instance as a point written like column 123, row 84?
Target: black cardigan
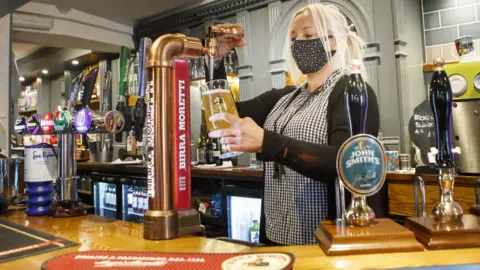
column 312, row 160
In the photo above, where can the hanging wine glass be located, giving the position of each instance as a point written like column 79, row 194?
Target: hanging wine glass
column 195, row 69
column 201, row 69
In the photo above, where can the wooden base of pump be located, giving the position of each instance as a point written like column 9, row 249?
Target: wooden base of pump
column 385, row 236
column 433, row 234
column 475, row 210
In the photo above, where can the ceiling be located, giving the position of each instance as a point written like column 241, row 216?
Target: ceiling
column 22, row 49
column 122, row 11
column 56, row 53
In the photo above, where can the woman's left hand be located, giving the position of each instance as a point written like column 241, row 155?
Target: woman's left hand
column 244, row 134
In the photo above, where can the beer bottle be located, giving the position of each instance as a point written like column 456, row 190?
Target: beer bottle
column 217, row 150
column 201, row 145
column 255, row 232
column 209, row 151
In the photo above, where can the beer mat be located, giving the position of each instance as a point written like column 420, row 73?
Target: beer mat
column 120, row 260
column 18, row 241
column 450, row 267
column 126, row 162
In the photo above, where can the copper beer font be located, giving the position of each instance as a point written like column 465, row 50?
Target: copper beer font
column 222, row 32
column 162, row 221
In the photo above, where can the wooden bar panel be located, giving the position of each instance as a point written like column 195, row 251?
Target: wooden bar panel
column 401, row 201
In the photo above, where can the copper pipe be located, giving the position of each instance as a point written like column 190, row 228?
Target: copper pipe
column 161, row 219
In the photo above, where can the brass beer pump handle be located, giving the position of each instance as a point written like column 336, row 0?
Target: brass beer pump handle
column 418, row 183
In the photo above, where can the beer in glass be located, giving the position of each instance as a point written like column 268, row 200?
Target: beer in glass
column 217, row 98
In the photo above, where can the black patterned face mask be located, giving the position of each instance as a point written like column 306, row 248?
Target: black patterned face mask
column 310, row 55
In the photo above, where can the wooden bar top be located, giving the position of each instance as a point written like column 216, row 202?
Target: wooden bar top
column 468, row 180
column 238, row 172
column 98, row 233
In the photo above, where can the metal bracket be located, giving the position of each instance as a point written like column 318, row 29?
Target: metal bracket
column 340, row 200
column 477, row 196
column 418, row 182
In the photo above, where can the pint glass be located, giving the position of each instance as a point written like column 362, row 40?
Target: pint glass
column 217, row 98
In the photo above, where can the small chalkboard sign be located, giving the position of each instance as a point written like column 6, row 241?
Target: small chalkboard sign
column 422, row 129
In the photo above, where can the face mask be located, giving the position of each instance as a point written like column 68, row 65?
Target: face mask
column 310, row 55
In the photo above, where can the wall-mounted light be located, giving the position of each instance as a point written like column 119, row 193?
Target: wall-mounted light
column 75, row 62
column 45, row 71
column 21, row 79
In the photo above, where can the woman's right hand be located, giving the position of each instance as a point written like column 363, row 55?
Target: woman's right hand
column 225, row 46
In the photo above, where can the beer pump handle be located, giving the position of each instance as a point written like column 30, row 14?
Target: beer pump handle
column 140, row 110
column 106, row 90
column 77, row 84
column 140, row 114
column 356, row 102
column 441, row 101
column 125, row 55
column 128, row 111
column 89, row 85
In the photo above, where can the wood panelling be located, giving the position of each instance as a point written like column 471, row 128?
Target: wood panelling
column 400, row 194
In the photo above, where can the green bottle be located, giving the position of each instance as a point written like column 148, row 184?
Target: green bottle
column 255, row 232
column 201, row 146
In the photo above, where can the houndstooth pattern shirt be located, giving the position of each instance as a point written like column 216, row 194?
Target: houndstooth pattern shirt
column 294, row 204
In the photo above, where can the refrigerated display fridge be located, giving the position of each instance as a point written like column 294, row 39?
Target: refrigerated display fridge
column 242, row 211
column 105, row 196
column 134, row 199
column 120, row 197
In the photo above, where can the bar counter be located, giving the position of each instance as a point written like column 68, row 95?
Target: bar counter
column 237, row 172
column 400, row 185
column 97, row 233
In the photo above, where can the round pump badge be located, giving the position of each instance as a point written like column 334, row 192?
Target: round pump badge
column 47, row 123
column 62, row 121
column 83, row 120
column 361, row 164
column 114, row 121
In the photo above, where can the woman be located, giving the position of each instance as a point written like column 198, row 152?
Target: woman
column 297, row 131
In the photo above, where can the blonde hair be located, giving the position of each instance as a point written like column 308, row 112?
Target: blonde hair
column 329, row 20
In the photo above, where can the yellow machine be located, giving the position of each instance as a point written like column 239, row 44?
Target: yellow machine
column 465, row 80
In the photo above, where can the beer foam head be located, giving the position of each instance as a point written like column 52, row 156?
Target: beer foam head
column 216, row 91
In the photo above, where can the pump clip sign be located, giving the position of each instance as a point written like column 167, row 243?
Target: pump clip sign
column 361, row 164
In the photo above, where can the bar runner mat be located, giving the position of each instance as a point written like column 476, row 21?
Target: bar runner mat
column 451, row 267
column 120, row 260
column 18, row 241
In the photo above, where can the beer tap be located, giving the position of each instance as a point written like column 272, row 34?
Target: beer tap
column 356, row 101
column 63, row 120
column 140, row 111
column 441, row 101
column 88, row 121
column 216, row 33
column 126, row 61
column 66, row 203
column 162, row 221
